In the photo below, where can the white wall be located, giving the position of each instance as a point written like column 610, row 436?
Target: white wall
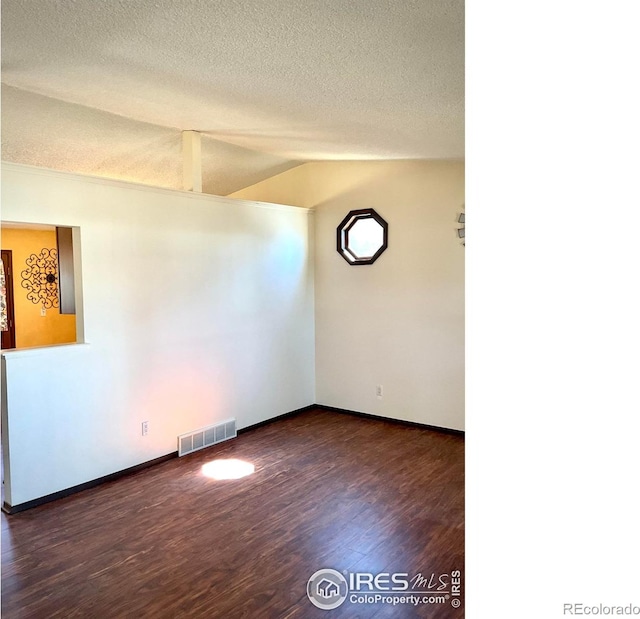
column 400, row 321
column 196, row 309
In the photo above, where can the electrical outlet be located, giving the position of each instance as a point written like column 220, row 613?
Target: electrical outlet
column 145, row 428
column 379, row 392
column 43, row 311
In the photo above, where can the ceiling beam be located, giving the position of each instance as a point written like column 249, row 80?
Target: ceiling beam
column 192, row 161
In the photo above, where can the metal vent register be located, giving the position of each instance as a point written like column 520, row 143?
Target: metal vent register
column 205, row 437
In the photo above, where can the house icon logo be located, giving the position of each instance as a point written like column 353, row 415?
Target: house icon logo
column 327, row 589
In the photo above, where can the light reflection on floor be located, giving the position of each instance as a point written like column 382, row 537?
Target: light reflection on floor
column 227, row 469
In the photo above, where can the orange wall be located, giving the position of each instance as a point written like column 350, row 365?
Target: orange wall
column 33, row 329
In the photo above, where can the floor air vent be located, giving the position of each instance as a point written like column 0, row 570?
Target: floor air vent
column 193, row 441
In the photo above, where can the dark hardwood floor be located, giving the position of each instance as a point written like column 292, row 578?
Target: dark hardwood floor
column 329, row 491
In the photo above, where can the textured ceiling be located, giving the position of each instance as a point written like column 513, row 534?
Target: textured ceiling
column 106, row 87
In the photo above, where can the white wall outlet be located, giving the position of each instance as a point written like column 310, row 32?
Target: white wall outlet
column 145, row 428
column 379, row 392
column 43, row 311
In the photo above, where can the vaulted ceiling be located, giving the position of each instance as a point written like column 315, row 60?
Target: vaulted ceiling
column 106, row 88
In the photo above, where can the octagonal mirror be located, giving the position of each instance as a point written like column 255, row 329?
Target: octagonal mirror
column 362, row 236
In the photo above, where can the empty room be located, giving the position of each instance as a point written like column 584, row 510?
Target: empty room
column 233, row 309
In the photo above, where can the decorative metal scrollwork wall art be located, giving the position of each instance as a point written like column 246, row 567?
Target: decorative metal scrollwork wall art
column 40, row 278
column 461, row 230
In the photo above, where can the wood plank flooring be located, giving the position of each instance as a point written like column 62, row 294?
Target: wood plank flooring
column 329, row 491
